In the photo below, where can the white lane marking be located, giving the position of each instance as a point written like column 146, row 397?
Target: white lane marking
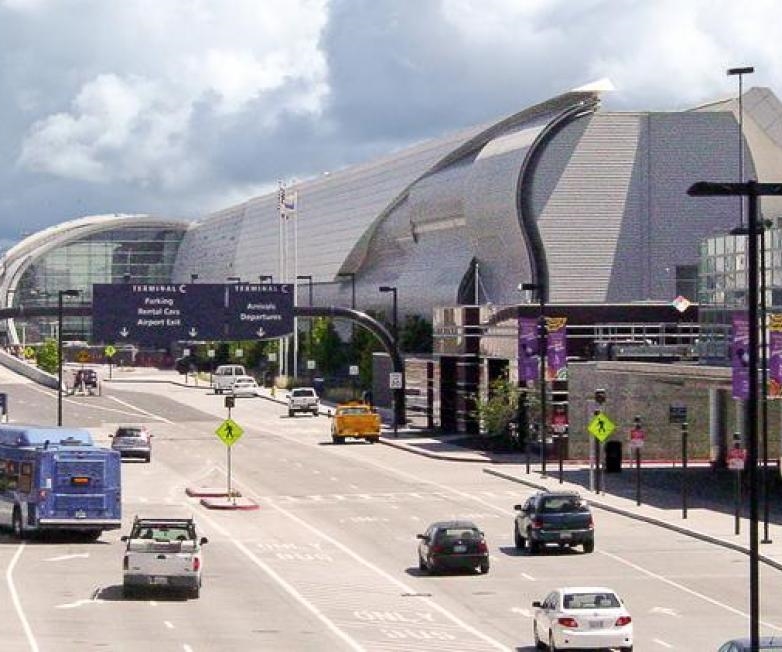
column 663, row 643
column 186, row 648
column 353, row 486
column 103, row 408
column 138, row 409
column 520, row 610
column 153, row 603
column 334, row 478
column 681, row 587
column 78, row 603
column 528, row 577
column 376, row 569
column 143, row 500
column 78, row 555
column 9, row 579
column 351, row 642
column 168, row 624
column 664, row 610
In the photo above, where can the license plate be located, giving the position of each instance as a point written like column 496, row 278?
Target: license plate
column 595, row 624
column 460, row 548
column 159, row 580
column 80, row 514
column 565, row 535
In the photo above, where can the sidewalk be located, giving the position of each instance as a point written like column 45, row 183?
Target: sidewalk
column 710, row 494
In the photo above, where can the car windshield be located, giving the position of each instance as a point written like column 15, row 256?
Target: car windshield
column 562, row 504
column 303, row 392
column 590, row 601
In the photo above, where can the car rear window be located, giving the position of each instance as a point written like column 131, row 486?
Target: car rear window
column 590, row 601
column 303, row 392
column 457, row 534
column 129, row 432
column 563, row 505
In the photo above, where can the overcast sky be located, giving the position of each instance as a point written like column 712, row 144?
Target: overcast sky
column 180, row 107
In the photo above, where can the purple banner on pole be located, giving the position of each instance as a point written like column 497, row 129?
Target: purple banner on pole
column 774, row 389
column 556, row 355
column 740, row 355
column 528, row 349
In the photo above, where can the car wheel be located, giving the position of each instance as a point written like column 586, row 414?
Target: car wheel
column 129, row 592
column 290, row 413
column 517, row 538
column 194, row 593
column 536, row 637
column 484, row 567
column 551, row 646
column 92, row 535
column 626, row 649
column 534, row 546
column 589, row 546
column 147, row 458
column 421, row 564
column 17, row 525
column 315, row 412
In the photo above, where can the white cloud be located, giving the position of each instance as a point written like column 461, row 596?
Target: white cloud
column 133, row 124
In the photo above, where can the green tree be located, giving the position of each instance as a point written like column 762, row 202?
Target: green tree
column 499, row 409
column 47, row 356
column 415, row 335
column 326, row 346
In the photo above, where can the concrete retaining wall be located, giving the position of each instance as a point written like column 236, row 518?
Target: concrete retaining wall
column 27, row 370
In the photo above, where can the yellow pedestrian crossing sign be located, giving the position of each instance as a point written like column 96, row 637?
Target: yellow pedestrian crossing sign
column 109, row 351
column 601, row 427
column 229, row 432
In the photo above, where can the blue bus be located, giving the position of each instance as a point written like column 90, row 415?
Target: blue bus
column 57, row 479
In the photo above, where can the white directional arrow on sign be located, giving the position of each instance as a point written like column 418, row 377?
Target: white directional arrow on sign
column 193, row 331
column 260, row 332
column 124, row 331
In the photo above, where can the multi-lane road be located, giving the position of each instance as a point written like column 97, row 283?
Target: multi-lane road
column 329, row 560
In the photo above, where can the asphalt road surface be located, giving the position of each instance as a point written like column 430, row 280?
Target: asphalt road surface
column 329, row 560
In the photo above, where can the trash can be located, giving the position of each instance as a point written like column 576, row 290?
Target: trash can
column 613, row 457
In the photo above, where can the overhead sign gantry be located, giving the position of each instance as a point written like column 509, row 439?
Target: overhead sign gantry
column 158, row 314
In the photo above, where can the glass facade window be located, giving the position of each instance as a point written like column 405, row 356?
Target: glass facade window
column 130, row 254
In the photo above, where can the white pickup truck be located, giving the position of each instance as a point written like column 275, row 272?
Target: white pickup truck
column 303, row 399
column 162, row 553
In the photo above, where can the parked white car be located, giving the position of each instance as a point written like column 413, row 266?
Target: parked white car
column 588, row 617
column 245, row 386
column 162, row 553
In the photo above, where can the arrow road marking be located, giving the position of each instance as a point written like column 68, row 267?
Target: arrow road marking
column 82, row 555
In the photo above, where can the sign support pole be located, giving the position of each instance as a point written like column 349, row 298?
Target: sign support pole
column 228, row 448
column 684, row 470
column 638, row 476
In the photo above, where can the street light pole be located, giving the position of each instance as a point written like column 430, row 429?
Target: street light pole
column 753, row 190
column 60, row 295
column 542, row 353
column 393, row 290
column 740, row 72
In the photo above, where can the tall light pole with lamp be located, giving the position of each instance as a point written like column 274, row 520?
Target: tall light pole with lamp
column 740, row 72
column 395, row 327
column 60, row 295
column 542, row 352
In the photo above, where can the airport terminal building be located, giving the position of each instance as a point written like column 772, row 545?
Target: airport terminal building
column 589, row 205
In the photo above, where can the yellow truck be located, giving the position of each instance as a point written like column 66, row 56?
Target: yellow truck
column 355, row 420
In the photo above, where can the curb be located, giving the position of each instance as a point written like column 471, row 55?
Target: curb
column 225, row 503
column 646, row 519
column 435, row 456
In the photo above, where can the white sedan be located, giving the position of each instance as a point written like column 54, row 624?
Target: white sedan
column 245, row 386
column 585, row 617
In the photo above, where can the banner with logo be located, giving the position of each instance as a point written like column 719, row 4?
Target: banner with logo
column 740, row 355
column 556, row 355
column 774, row 389
column 528, row 349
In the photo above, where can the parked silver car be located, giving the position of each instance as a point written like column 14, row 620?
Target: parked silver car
column 132, row 441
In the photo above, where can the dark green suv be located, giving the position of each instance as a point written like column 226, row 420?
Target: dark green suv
column 549, row 517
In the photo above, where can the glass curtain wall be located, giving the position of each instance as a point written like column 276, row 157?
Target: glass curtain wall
column 133, row 255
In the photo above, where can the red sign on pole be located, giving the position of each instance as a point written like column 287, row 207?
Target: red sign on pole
column 637, row 437
column 736, row 459
column 559, row 422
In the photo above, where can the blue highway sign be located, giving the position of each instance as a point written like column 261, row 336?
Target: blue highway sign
column 259, row 311
column 158, row 314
